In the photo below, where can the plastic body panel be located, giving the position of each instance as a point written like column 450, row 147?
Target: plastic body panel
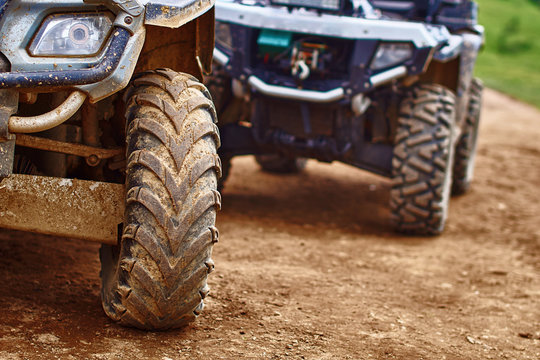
column 174, row 13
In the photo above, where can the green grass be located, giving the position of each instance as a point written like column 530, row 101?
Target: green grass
column 510, row 61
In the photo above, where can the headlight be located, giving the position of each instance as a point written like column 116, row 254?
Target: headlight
column 73, row 34
column 316, row 4
column 389, row 54
column 223, row 35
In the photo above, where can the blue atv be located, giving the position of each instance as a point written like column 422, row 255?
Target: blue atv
column 89, row 150
column 386, row 86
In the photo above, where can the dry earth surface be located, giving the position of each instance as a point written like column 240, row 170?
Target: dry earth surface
column 307, row 268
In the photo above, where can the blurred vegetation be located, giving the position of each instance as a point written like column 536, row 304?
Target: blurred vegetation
column 510, row 61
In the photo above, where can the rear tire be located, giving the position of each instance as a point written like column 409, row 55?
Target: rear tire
column 466, row 146
column 422, row 162
column 279, row 164
column 155, row 279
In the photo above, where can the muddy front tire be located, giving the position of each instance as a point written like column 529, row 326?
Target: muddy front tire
column 422, row 161
column 466, row 146
column 155, row 279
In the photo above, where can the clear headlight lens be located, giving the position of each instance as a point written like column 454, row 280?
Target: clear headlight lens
column 223, row 35
column 389, row 54
column 73, row 34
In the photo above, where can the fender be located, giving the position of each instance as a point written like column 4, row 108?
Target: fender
column 174, row 13
column 188, row 48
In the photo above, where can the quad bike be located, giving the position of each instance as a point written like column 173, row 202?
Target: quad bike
column 90, row 151
column 386, row 86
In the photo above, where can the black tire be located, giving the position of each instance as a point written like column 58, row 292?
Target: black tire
column 422, row 161
column 156, row 278
column 219, row 86
column 279, row 164
column 226, row 169
column 466, row 146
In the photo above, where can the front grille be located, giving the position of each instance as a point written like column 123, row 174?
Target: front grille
column 333, row 57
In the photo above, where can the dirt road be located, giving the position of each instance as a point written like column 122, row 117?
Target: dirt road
column 307, row 268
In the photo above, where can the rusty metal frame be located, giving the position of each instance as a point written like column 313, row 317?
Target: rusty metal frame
column 93, row 155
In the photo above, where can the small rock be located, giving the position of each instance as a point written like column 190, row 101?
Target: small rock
column 470, row 339
column 446, row 286
column 47, row 338
column 361, row 264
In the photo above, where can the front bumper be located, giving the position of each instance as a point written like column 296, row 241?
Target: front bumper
column 345, row 27
column 319, row 96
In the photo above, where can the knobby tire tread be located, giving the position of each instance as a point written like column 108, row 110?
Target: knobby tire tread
column 156, row 278
column 421, row 165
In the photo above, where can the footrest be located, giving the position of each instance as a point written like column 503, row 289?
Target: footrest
column 80, row 209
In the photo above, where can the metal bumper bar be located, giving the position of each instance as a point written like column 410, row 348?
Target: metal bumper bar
column 220, row 57
column 33, row 79
column 345, row 27
column 31, row 124
column 295, row 94
column 388, row 75
column 320, row 96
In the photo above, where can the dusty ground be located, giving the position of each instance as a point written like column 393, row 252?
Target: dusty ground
column 307, row 268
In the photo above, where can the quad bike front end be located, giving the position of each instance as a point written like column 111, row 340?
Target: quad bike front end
column 317, row 62
column 334, row 81
column 89, row 150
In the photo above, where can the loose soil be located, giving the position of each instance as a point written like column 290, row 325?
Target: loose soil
column 308, row 268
